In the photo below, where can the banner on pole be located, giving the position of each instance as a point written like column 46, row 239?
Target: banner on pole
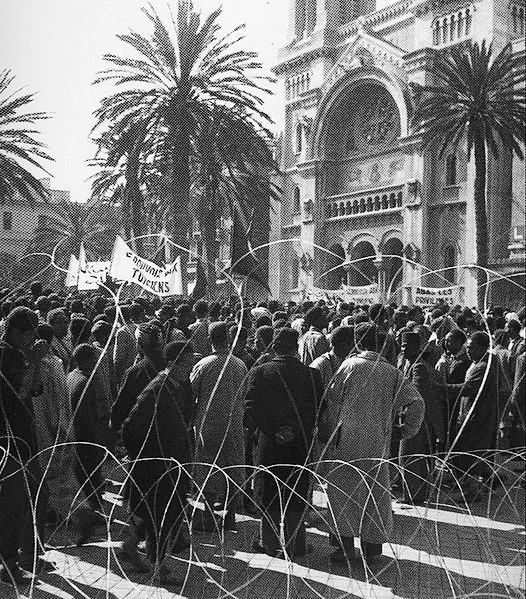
column 128, row 266
column 429, row 296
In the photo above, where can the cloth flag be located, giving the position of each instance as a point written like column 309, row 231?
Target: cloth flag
column 128, row 266
column 72, row 276
column 243, row 261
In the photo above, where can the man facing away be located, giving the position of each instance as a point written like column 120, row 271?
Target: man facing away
column 360, row 406
column 282, row 403
column 342, row 343
column 217, row 383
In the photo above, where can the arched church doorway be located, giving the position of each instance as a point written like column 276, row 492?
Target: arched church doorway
column 393, row 265
column 362, row 271
column 334, row 273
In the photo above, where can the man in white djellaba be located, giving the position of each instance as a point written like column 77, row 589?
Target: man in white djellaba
column 361, row 405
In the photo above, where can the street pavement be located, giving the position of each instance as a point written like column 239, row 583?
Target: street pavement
column 440, row 550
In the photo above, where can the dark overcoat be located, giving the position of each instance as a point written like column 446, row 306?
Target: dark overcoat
column 282, row 393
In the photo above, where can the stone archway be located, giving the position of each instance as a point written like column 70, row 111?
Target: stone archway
column 362, row 270
column 334, row 273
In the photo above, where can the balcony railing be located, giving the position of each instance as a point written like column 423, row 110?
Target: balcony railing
column 364, row 202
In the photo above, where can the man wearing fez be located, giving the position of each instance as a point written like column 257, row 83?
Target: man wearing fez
column 282, row 401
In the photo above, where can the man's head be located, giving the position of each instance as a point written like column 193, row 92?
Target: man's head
column 411, row 345
column 59, row 322
column 43, row 305
column 179, row 355
column 101, row 331
column 316, row 318
column 201, row 309
column 85, row 357
column 218, row 333
column 513, row 328
column 77, row 306
column 342, row 341
column 136, row 313
column 149, row 338
column 36, row 289
column 45, row 332
column 21, row 328
column 477, row 346
column 185, row 315
column 378, row 314
column 366, row 336
column 285, row 341
column 455, row 341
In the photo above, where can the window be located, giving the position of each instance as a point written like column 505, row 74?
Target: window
column 8, row 221
column 450, row 263
column 299, row 138
column 451, row 170
column 296, row 206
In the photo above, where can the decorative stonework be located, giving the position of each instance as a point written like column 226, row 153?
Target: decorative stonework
column 365, row 51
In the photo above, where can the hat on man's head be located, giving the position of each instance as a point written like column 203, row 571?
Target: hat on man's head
column 285, row 339
column 21, row 318
column 313, row 315
column 412, row 338
column 148, row 334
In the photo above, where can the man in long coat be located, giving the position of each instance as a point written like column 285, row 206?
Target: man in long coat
column 416, row 452
column 360, row 406
column 477, row 422
column 282, row 403
column 217, row 382
column 156, row 438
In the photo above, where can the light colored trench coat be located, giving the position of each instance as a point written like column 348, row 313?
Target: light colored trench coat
column 365, row 395
column 217, row 384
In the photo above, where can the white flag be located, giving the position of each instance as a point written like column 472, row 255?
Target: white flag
column 128, row 266
column 72, row 276
column 86, row 281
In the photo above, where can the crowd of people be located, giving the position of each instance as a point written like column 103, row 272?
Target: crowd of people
column 214, row 408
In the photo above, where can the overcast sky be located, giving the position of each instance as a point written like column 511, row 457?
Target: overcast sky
column 55, row 48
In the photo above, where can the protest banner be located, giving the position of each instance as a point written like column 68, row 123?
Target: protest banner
column 366, row 294
column 128, row 266
column 429, row 296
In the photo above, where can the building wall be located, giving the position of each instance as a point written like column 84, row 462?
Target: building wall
column 389, row 44
column 25, row 218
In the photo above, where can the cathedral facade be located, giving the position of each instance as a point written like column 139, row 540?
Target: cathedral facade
column 362, row 205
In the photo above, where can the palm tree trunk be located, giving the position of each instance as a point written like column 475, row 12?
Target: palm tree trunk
column 210, row 251
column 481, row 218
column 181, row 199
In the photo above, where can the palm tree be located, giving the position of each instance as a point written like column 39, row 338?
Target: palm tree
column 479, row 99
column 181, row 73
column 233, row 164
column 19, row 150
column 95, row 224
column 126, row 176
